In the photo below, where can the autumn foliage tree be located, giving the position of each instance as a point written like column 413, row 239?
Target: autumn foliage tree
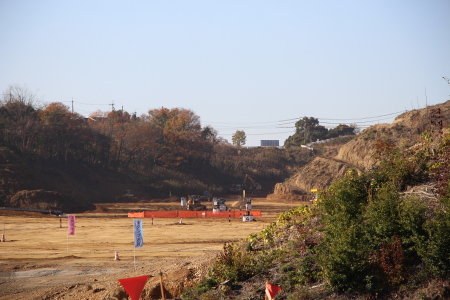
column 239, row 138
column 164, row 143
column 122, row 131
column 166, row 137
column 179, row 135
column 61, row 132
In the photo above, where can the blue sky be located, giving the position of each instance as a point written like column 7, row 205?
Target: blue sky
column 256, row 66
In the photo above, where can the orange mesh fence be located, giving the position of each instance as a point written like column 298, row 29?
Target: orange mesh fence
column 136, row 215
column 161, row 214
column 256, row 213
column 193, row 214
column 190, row 214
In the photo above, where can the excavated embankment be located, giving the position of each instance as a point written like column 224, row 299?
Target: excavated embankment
column 358, row 153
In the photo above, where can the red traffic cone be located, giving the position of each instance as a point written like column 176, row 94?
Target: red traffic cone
column 181, row 221
column 116, row 256
column 3, row 238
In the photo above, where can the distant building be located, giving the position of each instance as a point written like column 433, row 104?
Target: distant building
column 270, row 143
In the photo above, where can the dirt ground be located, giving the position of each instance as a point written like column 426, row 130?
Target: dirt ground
column 39, row 260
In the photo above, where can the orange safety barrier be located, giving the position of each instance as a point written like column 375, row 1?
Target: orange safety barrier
column 161, row 214
column 136, row 215
column 193, row 214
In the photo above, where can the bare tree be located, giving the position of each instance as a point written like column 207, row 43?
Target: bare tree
column 18, row 115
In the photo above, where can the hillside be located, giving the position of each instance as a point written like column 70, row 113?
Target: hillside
column 334, row 159
column 405, row 131
column 378, row 232
column 71, row 187
column 77, row 187
column 54, row 158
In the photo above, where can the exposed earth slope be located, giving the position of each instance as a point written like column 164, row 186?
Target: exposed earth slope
column 336, row 158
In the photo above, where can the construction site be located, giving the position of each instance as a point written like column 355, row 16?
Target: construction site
column 41, row 261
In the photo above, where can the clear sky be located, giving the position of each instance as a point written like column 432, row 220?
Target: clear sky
column 239, row 65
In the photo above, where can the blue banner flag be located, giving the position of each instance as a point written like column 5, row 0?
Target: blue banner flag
column 138, row 236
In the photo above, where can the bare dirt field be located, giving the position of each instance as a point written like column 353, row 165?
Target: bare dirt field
column 39, row 260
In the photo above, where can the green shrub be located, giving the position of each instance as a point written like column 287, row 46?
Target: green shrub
column 435, row 250
column 382, row 215
column 203, row 287
column 370, row 238
column 256, row 253
column 234, row 264
column 344, row 260
column 298, row 273
column 412, row 218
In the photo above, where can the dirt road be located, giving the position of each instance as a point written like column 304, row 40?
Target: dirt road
column 39, row 260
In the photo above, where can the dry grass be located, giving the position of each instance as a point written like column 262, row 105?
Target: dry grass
column 38, row 254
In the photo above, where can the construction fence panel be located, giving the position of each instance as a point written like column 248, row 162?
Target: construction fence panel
column 161, row 214
column 136, row 215
column 192, row 214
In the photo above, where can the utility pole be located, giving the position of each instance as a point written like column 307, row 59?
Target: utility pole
column 72, row 105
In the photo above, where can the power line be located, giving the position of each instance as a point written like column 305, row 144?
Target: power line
column 365, row 118
column 394, row 113
column 76, row 102
column 376, row 120
column 92, row 103
column 262, row 124
column 269, row 133
column 361, row 122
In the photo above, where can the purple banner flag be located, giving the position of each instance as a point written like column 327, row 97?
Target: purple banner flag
column 71, row 225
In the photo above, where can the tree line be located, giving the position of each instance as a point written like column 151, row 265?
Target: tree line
column 166, row 138
column 309, row 130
